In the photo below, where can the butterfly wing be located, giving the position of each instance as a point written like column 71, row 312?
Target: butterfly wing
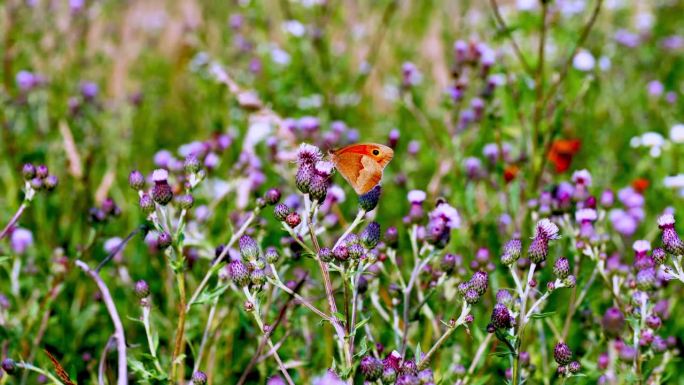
column 362, row 164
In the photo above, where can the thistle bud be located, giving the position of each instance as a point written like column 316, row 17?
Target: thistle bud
column 50, row 182
column 304, row 177
column 341, row 253
column 370, row 236
column 646, row 279
column 281, row 211
column 238, row 273
column 479, row 282
column 161, row 191
column 561, row 269
column 271, row 255
column 471, row 296
column 325, row 254
column 504, row 297
column 42, row 171
column 258, row 277
column 448, row 263
column 369, row 200
column 192, row 164
column 355, row 251
column 248, row 248
column 371, row 368
column 36, row 184
column 28, row 171
column 574, row 367
column 653, row 321
column 613, row 322
column 185, row 201
column 293, row 219
column 146, row 204
column 199, row 378
column 562, row 354
column 501, row 317
column 164, row 240
column 391, row 236
column 142, row 289
column 512, row 251
column 9, row 366
column 389, row 375
column 659, row 256
column 272, row 196
column 136, row 180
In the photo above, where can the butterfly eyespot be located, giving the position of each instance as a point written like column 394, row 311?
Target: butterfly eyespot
column 376, row 152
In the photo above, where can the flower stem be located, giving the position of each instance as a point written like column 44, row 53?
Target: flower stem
column 32, row 368
column 450, row 330
column 14, row 219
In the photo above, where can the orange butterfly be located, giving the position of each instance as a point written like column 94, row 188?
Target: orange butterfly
column 362, row 164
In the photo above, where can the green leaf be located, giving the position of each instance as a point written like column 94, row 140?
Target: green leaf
column 361, row 324
column 339, row 316
column 542, row 315
column 418, row 353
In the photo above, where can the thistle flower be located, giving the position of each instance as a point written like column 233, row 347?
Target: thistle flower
column 308, row 154
column 355, row 251
column 318, row 187
column 161, row 191
column 391, row 237
column 238, row 273
column 199, row 378
column 185, row 201
column 479, row 282
column 325, row 254
column 9, row 366
column 272, row 196
column 341, row 253
column 20, row 240
column 393, row 360
column 248, row 248
column 574, row 367
column 371, row 368
column 192, row 164
column 653, row 321
column 146, row 204
column 512, row 251
column 561, row 269
column 369, row 200
column 293, row 219
column 504, row 297
column 389, row 375
column 164, row 240
column 562, row 354
column 281, row 211
column 28, row 171
column 136, row 180
column 671, row 241
column 659, row 256
column 585, row 217
column 613, row 322
column 271, row 255
column 42, row 171
column 539, row 248
column 304, row 176
column 142, row 289
column 448, row 263
column 370, row 236
column 471, row 296
column 501, row 317
column 646, row 279
column 257, row 277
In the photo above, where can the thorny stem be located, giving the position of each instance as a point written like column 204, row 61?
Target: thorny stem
column 220, row 258
column 116, row 320
column 465, row 310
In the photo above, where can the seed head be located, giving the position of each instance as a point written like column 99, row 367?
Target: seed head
column 562, row 354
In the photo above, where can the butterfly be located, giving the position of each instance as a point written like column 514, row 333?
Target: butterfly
column 361, row 164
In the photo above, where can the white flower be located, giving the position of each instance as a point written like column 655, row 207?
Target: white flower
column 677, row 133
column 416, row 196
column 666, row 220
column 337, row 193
column 652, row 139
column 641, row 246
column 280, row 57
column 584, row 61
column 526, row 5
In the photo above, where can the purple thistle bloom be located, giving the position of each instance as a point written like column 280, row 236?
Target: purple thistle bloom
column 308, row 154
column 539, row 248
column 146, row 204
column 671, row 241
column 304, row 177
column 355, row 250
column 501, row 317
column 371, row 368
column 504, row 297
column 512, row 251
column 20, row 240
column 164, row 240
column 28, row 171
column 238, row 273
column 325, row 254
column 391, row 236
column 448, row 263
column 341, row 253
column 370, row 236
column 142, row 289
column 389, row 375
column 562, row 354
column 136, row 180
column 646, row 279
column 407, row 379
column 479, row 282
column 561, row 269
column 199, row 378
column 161, row 191
column 248, row 248
column 659, row 256
column 281, row 211
column 318, row 187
